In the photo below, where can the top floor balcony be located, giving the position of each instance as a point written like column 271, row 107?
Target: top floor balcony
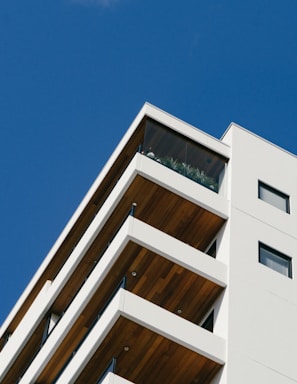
column 183, row 155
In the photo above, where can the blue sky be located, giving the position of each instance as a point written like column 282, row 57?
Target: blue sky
column 74, row 73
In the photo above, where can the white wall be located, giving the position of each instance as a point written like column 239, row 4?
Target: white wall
column 262, row 304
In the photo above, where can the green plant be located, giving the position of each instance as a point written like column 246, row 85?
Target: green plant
column 187, row 170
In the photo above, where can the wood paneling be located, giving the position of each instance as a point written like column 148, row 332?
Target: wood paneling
column 158, row 207
column 151, row 358
column 157, row 280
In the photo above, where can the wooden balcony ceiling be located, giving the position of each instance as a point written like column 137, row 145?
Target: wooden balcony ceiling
column 150, row 358
column 172, row 213
column 158, row 207
column 165, row 211
column 157, row 280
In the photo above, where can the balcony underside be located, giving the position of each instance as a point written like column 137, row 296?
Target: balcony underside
column 171, row 213
column 159, row 208
column 157, row 279
column 150, row 344
column 151, row 358
column 156, row 206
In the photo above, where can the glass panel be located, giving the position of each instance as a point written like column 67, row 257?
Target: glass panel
column 204, row 166
column 183, row 155
column 164, row 146
column 274, row 197
column 275, row 260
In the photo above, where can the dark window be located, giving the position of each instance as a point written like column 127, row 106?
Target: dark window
column 183, row 155
column 275, row 260
column 212, row 250
column 209, row 322
column 274, row 197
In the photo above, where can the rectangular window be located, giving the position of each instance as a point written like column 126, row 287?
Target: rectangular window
column 273, row 197
column 275, row 260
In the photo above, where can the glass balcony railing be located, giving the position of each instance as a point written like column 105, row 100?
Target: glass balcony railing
column 183, row 156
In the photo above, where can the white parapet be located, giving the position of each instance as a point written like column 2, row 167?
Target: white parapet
column 182, row 186
column 24, row 331
column 178, row 252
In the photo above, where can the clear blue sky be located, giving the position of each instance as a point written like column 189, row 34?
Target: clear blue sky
column 74, row 73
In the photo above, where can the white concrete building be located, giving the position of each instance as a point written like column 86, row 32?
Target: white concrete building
column 177, row 267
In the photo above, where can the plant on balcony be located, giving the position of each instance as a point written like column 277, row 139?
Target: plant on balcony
column 187, row 170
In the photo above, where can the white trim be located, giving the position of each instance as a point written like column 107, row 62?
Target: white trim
column 239, row 127
column 187, row 130
column 21, row 335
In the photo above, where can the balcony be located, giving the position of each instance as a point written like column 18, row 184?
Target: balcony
column 172, row 214
column 172, row 150
column 156, row 206
column 169, row 204
column 160, row 269
column 159, row 207
column 151, row 345
column 183, row 156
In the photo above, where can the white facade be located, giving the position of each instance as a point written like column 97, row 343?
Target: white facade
column 262, row 303
column 136, row 285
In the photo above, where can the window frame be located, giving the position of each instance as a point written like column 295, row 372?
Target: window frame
column 276, row 192
column 278, row 254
